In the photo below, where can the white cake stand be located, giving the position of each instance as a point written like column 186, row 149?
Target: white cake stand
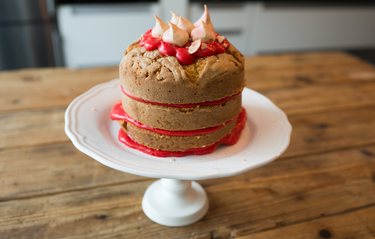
column 176, row 200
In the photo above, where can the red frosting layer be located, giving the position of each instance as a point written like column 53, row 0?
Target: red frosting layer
column 230, row 139
column 192, row 105
column 118, row 113
column 181, row 53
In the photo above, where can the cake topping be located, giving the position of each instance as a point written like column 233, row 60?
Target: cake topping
column 175, row 35
column 203, row 32
column 220, row 39
column 180, row 38
column 205, row 18
column 159, row 29
column 175, row 18
column 194, row 46
column 185, row 24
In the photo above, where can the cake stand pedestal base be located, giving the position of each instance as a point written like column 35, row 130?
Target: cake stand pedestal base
column 175, row 203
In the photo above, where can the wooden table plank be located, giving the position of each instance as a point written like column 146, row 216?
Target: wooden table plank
column 35, row 127
column 331, row 131
column 285, row 192
column 266, row 79
column 323, row 98
column 326, row 177
column 357, row 224
column 48, row 87
column 32, row 127
column 50, row 169
column 284, row 71
column 311, row 134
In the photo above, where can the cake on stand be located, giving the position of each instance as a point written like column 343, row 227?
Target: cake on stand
column 176, row 200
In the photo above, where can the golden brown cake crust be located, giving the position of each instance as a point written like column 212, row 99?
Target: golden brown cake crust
column 178, row 119
column 154, row 77
column 174, row 143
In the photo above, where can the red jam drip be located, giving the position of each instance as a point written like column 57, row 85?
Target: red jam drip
column 231, row 139
column 191, row 105
column 181, row 53
column 118, row 113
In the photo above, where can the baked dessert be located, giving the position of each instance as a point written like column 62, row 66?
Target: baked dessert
column 181, row 90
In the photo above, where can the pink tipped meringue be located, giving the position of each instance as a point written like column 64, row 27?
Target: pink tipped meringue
column 175, row 35
column 203, row 32
column 185, row 24
column 175, row 18
column 159, row 29
column 205, row 18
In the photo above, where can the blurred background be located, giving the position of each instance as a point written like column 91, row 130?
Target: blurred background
column 90, row 33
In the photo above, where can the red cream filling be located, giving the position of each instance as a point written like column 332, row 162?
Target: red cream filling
column 191, row 105
column 181, row 53
column 230, row 139
column 118, row 113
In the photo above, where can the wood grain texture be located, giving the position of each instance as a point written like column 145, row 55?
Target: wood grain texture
column 321, row 132
column 32, row 127
column 356, row 224
column 43, row 165
column 305, row 69
column 323, row 98
column 50, row 169
column 35, row 127
column 322, row 186
column 48, row 87
column 311, row 133
column 282, row 193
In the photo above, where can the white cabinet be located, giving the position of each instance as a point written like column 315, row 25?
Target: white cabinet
column 301, row 28
column 235, row 21
column 97, row 35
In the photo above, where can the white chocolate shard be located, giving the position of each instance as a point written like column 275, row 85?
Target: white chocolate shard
column 175, row 18
column 185, row 24
column 195, row 46
column 203, row 32
column 220, row 39
column 175, row 35
column 159, row 29
column 205, row 18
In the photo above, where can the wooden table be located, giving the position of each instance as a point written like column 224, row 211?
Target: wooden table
column 323, row 186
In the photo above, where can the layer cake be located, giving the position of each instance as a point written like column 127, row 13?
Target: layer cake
column 180, row 98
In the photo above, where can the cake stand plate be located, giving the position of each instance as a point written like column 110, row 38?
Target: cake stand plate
column 175, row 200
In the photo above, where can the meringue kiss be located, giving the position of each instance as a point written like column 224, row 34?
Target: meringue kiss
column 185, row 24
column 205, row 18
column 175, row 35
column 203, row 32
column 159, row 29
column 175, row 18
